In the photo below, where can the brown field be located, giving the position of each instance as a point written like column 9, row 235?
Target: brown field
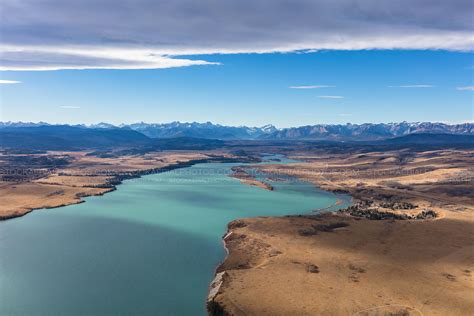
column 21, row 198
column 337, row 264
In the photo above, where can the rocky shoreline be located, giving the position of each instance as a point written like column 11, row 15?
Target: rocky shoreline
column 214, row 307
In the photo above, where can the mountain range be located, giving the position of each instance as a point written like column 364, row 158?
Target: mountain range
column 369, row 131
column 127, row 140
column 335, row 132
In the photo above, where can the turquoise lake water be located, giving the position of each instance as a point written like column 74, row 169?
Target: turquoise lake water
column 148, row 248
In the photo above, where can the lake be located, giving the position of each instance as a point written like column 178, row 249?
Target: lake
column 148, row 248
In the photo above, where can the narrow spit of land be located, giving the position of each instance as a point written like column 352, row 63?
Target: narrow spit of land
column 246, row 178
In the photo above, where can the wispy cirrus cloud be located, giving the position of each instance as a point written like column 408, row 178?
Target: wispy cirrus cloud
column 58, row 34
column 468, row 88
column 69, row 107
column 330, row 97
column 413, row 86
column 312, row 87
column 9, row 81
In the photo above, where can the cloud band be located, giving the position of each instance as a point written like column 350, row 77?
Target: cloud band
column 138, row 34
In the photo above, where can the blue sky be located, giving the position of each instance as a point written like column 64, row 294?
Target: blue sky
column 233, row 62
column 254, row 89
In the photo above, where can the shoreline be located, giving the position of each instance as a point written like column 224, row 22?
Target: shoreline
column 111, row 184
column 212, row 306
column 79, row 201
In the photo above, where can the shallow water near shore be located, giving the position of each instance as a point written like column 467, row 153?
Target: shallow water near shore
column 148, row 248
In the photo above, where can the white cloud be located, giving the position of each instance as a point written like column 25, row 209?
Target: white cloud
column 413, row 86
column 311, row 87
column 69, row 107
column 58, row 34
column 9, row 81
column 330, row 97
column 468, row 88
column 47, row 58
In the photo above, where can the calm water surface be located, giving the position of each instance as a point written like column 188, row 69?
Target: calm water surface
column 149, row 248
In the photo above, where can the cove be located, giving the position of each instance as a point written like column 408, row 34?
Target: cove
column 148, row 248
